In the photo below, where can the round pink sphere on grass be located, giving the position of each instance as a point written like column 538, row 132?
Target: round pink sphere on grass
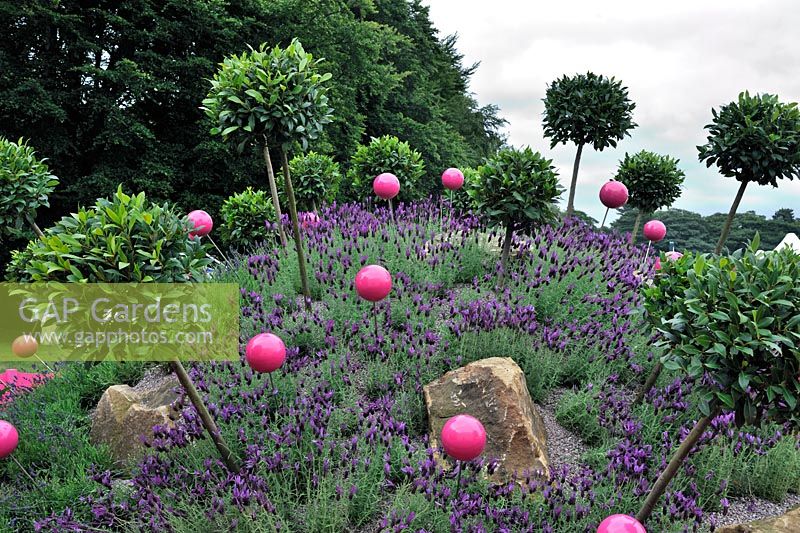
column 620, row 523
column 463, row 437
column 614, row 194
column 202, row 223
column 265, row 352
column 453, row 179
column 386, row 185
column 655, row 230
column 9, row 438
column 373, row 283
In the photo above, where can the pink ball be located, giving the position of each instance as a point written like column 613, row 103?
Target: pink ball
column 265, row 352
column 620, row 523
column 463, row 437
column 453, row 179
column 658, row 263
column 386, row 185
column 202, row 223
column 9, row 438
column 373, row 283
column 614, row 194
column 308, row 220
column 655, row 230
column 673, row 255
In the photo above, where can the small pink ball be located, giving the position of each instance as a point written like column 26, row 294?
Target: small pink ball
column 658, row 263
column 9, row 438
column 265, row 352
column 673, row 255
column 308, row 220
column 202, row 223
column 614, row 194
column 373, row 283
column 655, row 230
column 620, row 523
column 453, row 179
column 386, row 185
column 463, row 437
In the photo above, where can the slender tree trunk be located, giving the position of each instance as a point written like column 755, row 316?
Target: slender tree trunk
column 506, row 250
column 727, row 228
column 649, row 382
column 34, row 226
column 636, row 226
column 205, row 416
column 571, row 203
column 273, row 189
column 314, row 205
column 673, row 466
column 298, row 239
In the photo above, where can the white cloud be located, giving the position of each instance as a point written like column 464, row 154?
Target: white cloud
column 678, row 59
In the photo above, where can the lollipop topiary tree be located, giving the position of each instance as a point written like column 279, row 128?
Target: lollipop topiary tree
column 316, row 178
column 25, row 184
column 245, row 216
column 387, row 154
column 517, row 188
column 736, row 331
column 755, row 139
column 653, row 181
column 586, row 109
column 277, row 97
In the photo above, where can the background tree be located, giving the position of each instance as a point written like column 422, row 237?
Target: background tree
column 316, row 179
column 25, row 186
column 586, row 109
column 282, row 101
column 754, row 139
column 653, row 181
column 517, row 188
column 386, row 154
column 784, row 215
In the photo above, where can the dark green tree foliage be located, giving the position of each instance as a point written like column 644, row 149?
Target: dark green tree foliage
column 386, row 154
column 244, row 218
column 653, row 181
column 109, row 93
column 754, row 139
column 316, row 179
column 25, row 186
column 517, row 188
column 586, row 109
column 120, row 239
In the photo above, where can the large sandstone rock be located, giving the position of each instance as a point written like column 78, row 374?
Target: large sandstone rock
column 125, row 413
column 787, row 523
column 493, row 391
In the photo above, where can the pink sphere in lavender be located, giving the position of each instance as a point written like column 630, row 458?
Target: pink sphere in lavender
column 614, row 194
column 265, row 352
column 463, row 437
column 386, row 185
column 620, row 523
column 308, row 219
column 9, row 438
column 373, row 283
column 453, row 179
column 202, row 223
column 673, row 255
column 655, row 230
column 658, row 263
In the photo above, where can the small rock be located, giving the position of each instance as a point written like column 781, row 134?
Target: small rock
column 123, row 414
column 786, row 523
column 493, row 391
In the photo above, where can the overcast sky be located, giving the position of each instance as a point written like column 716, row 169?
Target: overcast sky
column 678, row 59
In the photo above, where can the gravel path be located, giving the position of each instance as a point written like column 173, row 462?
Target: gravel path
column 749, row 509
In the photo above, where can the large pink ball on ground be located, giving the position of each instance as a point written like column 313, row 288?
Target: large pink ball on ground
column 463, row 437
column 9, row 438
column 386, row 185
column 614, row 194
column 373, row 283
column 265, row 352
column 620, row 523
column 202, row 223
column 453, row 179
column 655, row 230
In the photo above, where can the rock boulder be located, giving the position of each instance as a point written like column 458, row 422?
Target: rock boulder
column 786, row 523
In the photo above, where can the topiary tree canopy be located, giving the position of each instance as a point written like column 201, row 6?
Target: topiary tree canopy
column 25, row 185
column 735, row 329
column 653, row 181
column 316, row 179
column 754, row 139
column 387, row 154
column 245, row 216
column 278, row 97
column 586, row 109
column 517, row 188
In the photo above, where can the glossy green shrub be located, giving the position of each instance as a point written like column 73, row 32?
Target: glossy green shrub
column 387, row 154
column 245, row 216
column 316, row 179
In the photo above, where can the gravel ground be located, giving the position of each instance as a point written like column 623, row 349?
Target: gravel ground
column 565, row 447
